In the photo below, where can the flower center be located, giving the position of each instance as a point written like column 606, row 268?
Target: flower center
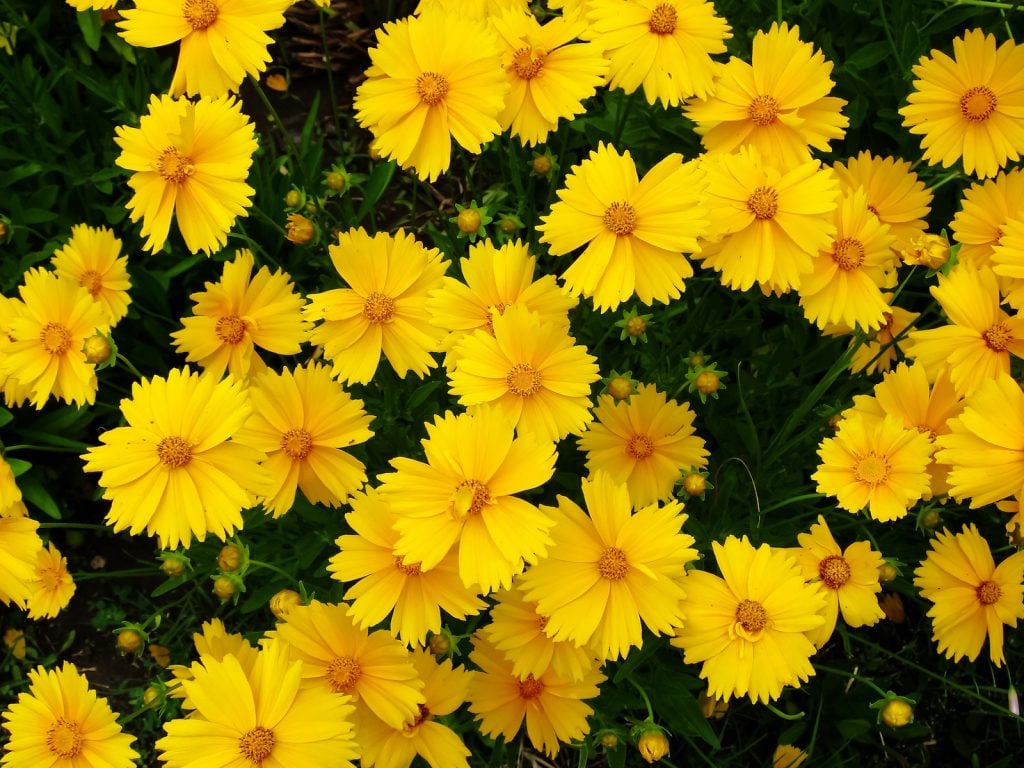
column 230, row 329
column 64, row 738
column 640, row 446
column 998, row 338
column 431, row 87
column 663, row 19
column 763, row 110
column 199, row 13
column 489, row 323
column 174, row 452
column 764, row 203
column 978, row 104
column 422, row 716
column 530, row 688
column 620, row 218
column 751, row 615
column 174, row 166
column 297, row 443
column 872, row 469
column 409, row 570
column 528, row 63
column 542, row 622
column 989, row 592
column 925, row 429
column 257, row 744
column 379, row 308
column 343, row 673
column 848, row 253
column 55, row 338
column 523, row 380
column 612, row 564
column 470, row 498
column 834, row 571
column 51, row 577
column 92, row 281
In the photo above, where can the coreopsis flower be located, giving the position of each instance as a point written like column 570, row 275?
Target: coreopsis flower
column 91, row 5
column 15, row 394
column 967, row 107
column 61, row 723
column 173, row 470
column 665, row 47
column 750, row 634
column 190, row 161
column 92, row 258
column 464, row 496
column 221, row 41
column 20, row 546
column 978, row 342
column 553, row 706
column 984, row 212
column 928, row 251
column 788, row 756
column 10, row 493
column 52, row 587
column 1008, row 262
column 373, row 668
column 302, row 420
column 46, row 339
column 472, row 9
column 635, row 230
column 387, row 584
column 531, row 371
column 260, row 717
column 879, row 352
column 612, row 571
column 239, row 313
column 846, row 282
column 549, row 75
column 973, row 597
column 643, row 442
column 426, row 86
column 213, row 642
column 848, row 579
column 874, row 463
column 767, row 221
column 384, row 308
column 778, row 103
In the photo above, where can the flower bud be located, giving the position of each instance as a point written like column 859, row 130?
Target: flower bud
column 620, row 388
column 609, row 740
column 652, row 744
column 541, row 165
column 708, row 383
column 129, row 641
column 173, row 563
column 636, row 326
column 1012, row 700
column 151, row 697
column 293, row 199
column 886, row 573
column 282, row 603
column 300, row 230
column 897, row 713
column 229, row 558
column 225, row 587
column 469, row 221
column 440, row 644
column 930, row 519
column 336, row 181
column 695, row 484
column 931, row 251
column 97, row 349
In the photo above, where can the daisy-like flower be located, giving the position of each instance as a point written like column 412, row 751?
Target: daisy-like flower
column 464, row 495
column 532, row 371
column 190, row 161
column 612, row 571
column 778, row 103
column 214, row 642
column 92, row 258
column 241, row 312
column 52, row 587
column 635, row 230
column 61, row 723
column 10, row 493
column 472, row 9
column 748, row 628
column 374, row 669
column 874, row 463
column 969, row 106
column 174, row 470
column 980, row 338
column 973, row 597
column 46, row 356
column 221, row 41
column 984, row 212
column 259, row 718
column 848, row 578
column 387, row 584
column 93, row 5
column 767, row 221
column 426, row 86
column 549, row 75
column 846, row 283
column 302, row 419
column 664, row 46
column 553, row 706
column 880, row 351
column 1008, row 261
column 643, row 442
column 384, row 308
column 20, row 546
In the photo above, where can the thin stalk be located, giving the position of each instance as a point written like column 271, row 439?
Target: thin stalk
column 290, row 145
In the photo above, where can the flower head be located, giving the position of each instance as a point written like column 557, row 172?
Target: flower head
column 92, row 257
column 20, row 547
column 984, row 212
column 53, row 586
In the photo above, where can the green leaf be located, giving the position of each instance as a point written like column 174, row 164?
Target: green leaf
column 35, row 494
column 89, row 23
column 868, row 55
column 681, row 712
column 5, row 416
column 19, row 466
column 379, row 180
column 170, row 584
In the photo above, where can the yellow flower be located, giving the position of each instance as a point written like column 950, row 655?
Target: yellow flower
column 635, row 230
column 61, row 723
column 221, row 41
column 10, row 493
column 664, row 46
column 93, row 5
column 214, row 642
column 972, row 596
column 929, row 251
column 188, row 160
column 92, row 258
column 472, row 9
column 1008, row 261
column 788, row 756
column 879, row 352
column 14, row 640
column 20, row 547
column 239, row 313
column 984, row 212
column 778, row 103
column 968, row 106
column 15, row 393
column 426, row 85
column 174, row 471
column 53, row 586
column 750, row 634
column 384, row 308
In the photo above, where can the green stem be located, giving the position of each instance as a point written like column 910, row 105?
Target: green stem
column 128, row 364
column 330, row 79
column 647, row 701
column 270, row 567
column 778, row 712
column 130, row 573
column 289, row 141
column 791, row 500
column 74, row 526
column 852, row 676
column 43, row 448
column 625, row 104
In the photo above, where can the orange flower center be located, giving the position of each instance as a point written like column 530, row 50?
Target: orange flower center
column 530, row 688
column 431, row 87
column 528, row 63
column 663, row 19
column 92, row 281
column 848, row 253
column 620, row 218
column 872, row 209
column 998, row 338
column 421, row 717
column 834, row 571
column 230, row 329
column 764, row 203
column 542, row 622
column 751, row 615
column 51, row 577
column 55, row 338
column 256, row 745
column 523, row 380
column 174, row 166
column 640, row 446
column 379, row 308
column 470, row 498
column 199, row 13
column 763, row 110
column 409, row 570
column 343, row 673
column 612, row 564
column 489, row 323
column 872, row 469
column 978, row 104
column 64, row 738
column 925, row 429
column 989, row 592
column 174, row 452
column 297, row 443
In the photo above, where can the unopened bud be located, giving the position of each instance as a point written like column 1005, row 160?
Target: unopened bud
column 129, row 641
column 282, row 603
column 97, row 349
